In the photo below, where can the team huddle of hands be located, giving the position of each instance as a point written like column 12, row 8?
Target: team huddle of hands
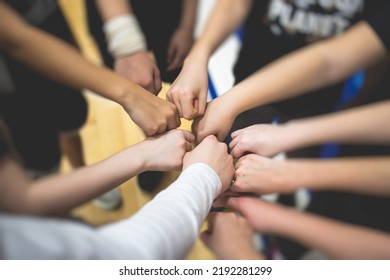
column 244, row 170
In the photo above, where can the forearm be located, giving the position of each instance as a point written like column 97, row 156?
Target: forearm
column 335, row 239
column 167, row 227
column 60, row 193
column 368, row 176
column 225, row 18
column 366, row 124
column 113, row 8
column 188, row 14
column 59, row 61
column 308, row 69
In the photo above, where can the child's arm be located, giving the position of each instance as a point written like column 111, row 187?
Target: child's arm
column 313, row 67
column 60, row 62
column 183, row 37
column 189, row 91
column 127, row 44
column 59, row 193
column 230, row 237
column 366, row 175
column 364, row 125
column 336, row 240
column 165, row 228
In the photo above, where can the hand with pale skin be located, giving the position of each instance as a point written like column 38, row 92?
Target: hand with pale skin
column 262, row 176
column 215, row 155
column 189, row 91
column 337, row 240
column 175, row 143
column 217, row 120
column 152, row 114
column 141, row 69
column 250, row 207
column 53, row 195
column 229, row 236
column 261, row 139
column 179, row 47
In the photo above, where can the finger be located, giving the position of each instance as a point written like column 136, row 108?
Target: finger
column 242, row 203
column 237, row 151
column 168, row 95
column 188, row 146
column 196, row 107
column 233, row 202
column 189, row 136
column 177, row 117
column 157, row 80
column 233, row 143
column 205, row 236
column 237, row 132
column 194, row 129
column 174, row 120
column 211, row 221
column 170, row 53
column 187, row 106
column 162, row 128
column 202, row 102
column 176, row 62
column 176, row 101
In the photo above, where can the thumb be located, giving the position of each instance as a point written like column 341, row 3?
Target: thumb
column 205, row 237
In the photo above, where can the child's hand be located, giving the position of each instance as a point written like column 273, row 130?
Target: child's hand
column 262, row 139
column 263, row 176
column 166, row 152
column 217, row 120
column 215, row 155
column 263, row 216
column 151, row 113
column 229, row 236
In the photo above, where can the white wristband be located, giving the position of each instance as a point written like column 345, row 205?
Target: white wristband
column 124, row 36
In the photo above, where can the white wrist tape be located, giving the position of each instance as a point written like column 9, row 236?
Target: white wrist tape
column 124, row 36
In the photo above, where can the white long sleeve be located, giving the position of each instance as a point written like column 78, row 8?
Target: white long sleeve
column 165, row 228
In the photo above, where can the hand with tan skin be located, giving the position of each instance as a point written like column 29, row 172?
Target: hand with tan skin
column 183, row 37
column 213, row 153
column 40, row 51
column 153, row 114
column 229, row 236
column 141, row 69
column 138, row 67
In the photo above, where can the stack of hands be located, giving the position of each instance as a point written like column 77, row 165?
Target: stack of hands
column 251, row 147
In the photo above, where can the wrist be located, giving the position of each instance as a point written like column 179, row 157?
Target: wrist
column 144, row 161
column 297, row 135
column 124, row 35
column 231, row 101
column 199, row 54
column 187, row 28
column 281, row 222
